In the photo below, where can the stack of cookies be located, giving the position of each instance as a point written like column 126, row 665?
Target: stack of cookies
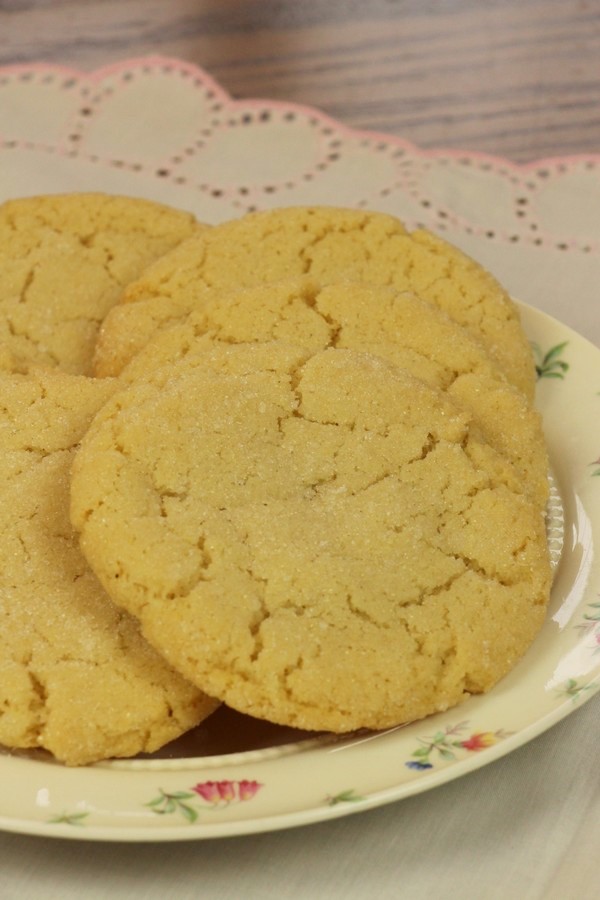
column 289, row 463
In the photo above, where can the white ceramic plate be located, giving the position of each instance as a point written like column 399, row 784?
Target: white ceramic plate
column 232, row 777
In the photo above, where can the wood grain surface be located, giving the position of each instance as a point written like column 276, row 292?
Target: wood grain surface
column 518, row 78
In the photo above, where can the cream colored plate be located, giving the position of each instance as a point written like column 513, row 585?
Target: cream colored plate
column 232, row 777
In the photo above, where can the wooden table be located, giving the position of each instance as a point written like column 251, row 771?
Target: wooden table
column 517, row 78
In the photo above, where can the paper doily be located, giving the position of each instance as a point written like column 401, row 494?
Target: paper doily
column 163, row 129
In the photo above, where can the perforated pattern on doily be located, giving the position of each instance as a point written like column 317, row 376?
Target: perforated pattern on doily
column 169, row 120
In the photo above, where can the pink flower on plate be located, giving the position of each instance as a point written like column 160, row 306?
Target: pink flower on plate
column 226, row 790
column 208, row 790
column 479, row 741
column 247, row 789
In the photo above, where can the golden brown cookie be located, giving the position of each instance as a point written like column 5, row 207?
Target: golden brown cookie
column 64, row 260
column 76, row 677
column 318, row 539
column 331, row 245
column 399, row 327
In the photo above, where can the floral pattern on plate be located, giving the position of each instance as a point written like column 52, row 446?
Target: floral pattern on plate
column 550, row 364
column 214, row 794
column 445, row 744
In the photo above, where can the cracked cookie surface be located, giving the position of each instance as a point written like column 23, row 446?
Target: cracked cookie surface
column 331, row 245
column 316, row 538
column 64, row 260
column 396, row 326
column 76, row 677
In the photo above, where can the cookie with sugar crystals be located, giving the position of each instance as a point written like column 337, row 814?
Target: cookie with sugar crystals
column 64, row 260
column 316, row 538
column 76, row 677
column 399, row 327
column 332, row 245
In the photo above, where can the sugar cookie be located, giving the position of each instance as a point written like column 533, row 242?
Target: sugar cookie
column 76, row 677
column 315, row 538
column 399, row 327
column 331, row 245
column 64, row 260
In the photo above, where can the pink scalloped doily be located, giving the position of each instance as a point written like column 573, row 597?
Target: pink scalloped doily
column 163, row 129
